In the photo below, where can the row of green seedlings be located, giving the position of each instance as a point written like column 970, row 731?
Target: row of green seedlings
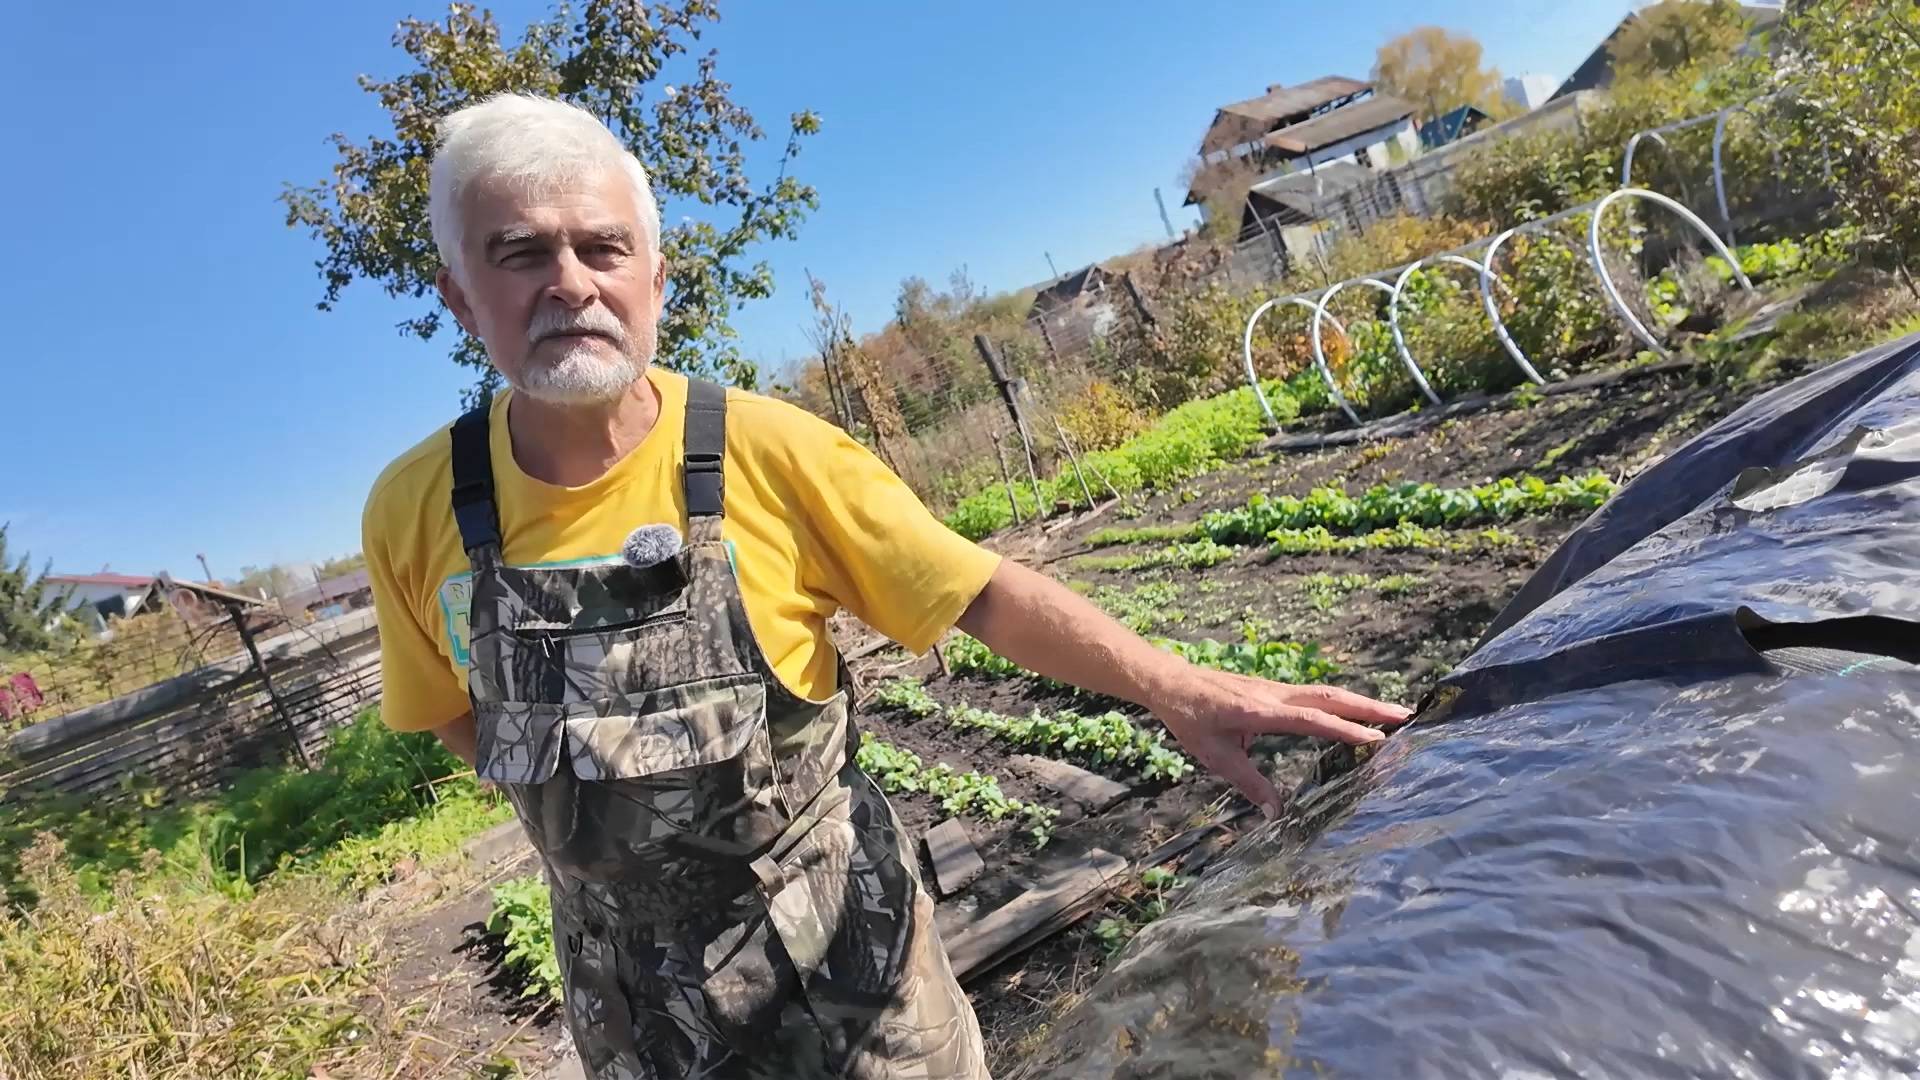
column 1328, row 520
column 1110, row 739
column 1254, row 654
column 970, row 793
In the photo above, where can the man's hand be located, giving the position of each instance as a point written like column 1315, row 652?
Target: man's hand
column 1045, row 627
column 1219, row 714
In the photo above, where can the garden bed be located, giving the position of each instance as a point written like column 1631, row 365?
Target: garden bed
column 1393, row 620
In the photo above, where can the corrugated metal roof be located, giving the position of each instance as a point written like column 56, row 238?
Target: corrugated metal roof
column 1305, row 193
column 1245, row 121
column 1340, row 124
column 126, row 581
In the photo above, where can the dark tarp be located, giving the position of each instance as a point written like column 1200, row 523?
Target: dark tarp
column 1663, row 823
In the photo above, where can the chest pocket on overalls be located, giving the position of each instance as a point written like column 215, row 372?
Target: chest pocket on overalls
column 631, row 751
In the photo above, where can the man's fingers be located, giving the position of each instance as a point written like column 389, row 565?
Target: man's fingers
column 1233, row 765
column 1299, row 720
column 1348, row 704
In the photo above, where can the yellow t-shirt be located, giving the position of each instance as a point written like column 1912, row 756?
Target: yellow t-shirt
column 817, row 524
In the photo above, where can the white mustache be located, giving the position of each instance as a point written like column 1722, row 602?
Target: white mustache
column 552, row 322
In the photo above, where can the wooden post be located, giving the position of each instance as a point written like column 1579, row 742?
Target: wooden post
column 1009, row 391
column 239, row 615
column 1139, row 302
column 1047, row 337
column 1000, row 451
column 1067, row 445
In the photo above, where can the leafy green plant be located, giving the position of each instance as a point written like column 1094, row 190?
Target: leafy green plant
column 522, row 918
column 1136, row 911
column 1281, row 661
column 1107, row 739
column 1147, row 534
column 1324, row 592
column 1398, row 584
column 1192, row 555
column 1419, row 504
column 976, row 794
column 1144, row 608
column 1182, row 444
column 908, row 695
column 1286, row 661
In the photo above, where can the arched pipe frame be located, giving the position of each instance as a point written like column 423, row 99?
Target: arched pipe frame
column 1719, row 120
column 1317, row 300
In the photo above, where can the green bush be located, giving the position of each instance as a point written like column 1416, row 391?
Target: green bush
column 522, row 918
column 370, row 781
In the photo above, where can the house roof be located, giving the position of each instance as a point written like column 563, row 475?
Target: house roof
column 124, row 581
column 1340, row 124
column 1449, row 126
column 1596, row 70
column 333, row 588
column 165, row 584
column 1245, row 121
column 1305, row 194
column 1065, row 289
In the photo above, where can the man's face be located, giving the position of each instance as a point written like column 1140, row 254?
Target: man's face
column 559, row 286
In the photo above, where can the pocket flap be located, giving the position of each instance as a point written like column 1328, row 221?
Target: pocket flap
column 517, row 742
column 665, row 730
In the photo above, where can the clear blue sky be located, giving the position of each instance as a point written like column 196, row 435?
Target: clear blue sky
column 169, row 387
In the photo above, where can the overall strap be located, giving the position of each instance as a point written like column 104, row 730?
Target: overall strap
column 705, row 475
column 473, row 504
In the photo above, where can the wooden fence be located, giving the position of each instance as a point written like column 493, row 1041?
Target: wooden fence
column 187, row 733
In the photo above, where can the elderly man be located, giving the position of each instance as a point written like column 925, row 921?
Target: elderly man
column 609, row 591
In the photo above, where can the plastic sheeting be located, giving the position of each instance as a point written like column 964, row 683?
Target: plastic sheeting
column 1662, row 823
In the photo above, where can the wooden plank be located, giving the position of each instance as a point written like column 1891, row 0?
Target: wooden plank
column 1049, row 907
column 1091, row 790
column 203, row 737
column 500, row 842
column 38, row 740
column 955, row 862
column 1186, row 841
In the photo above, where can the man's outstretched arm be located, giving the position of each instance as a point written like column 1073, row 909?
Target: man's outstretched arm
column 1045, row 627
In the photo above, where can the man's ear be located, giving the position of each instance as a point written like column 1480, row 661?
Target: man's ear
column 659, row 287
column 456, row 300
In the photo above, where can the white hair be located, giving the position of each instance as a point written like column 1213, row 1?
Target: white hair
column 529, row 140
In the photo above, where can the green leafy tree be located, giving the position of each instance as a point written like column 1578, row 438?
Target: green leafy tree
column 1438, row 71
column 342, row 566
column 275, row 581
column 611, row 57
column 25, row 600
column 1848, row 66
column 1677, row 37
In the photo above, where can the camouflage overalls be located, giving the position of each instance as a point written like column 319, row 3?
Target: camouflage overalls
column 732, row 897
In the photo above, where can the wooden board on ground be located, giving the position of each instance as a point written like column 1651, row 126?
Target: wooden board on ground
column 1054, row 904
column 1090, row 790
column 955, row 862
column 1190, row 839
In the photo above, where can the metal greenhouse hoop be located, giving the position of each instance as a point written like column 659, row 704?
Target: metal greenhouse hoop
column 1393, row 308
column 1319, row 353
column 1319, row 358
column 1719, row 147
column 1606, row 280
column 1488, row 277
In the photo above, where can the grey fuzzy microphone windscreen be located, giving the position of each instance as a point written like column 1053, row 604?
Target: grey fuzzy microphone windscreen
column 650, row 545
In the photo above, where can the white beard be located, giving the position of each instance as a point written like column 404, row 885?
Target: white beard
column 587, row 373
